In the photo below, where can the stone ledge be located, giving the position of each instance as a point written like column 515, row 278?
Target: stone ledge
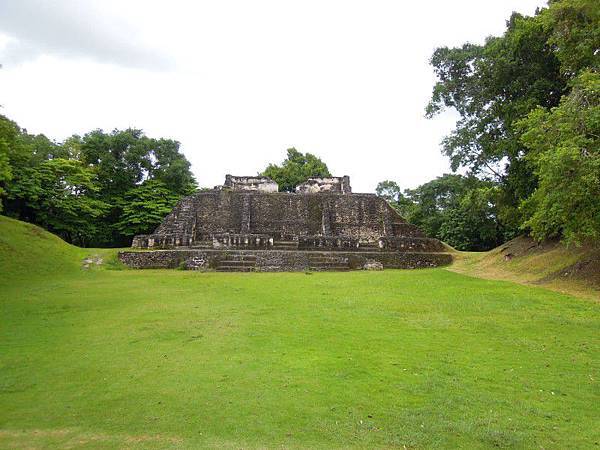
column 241, row 241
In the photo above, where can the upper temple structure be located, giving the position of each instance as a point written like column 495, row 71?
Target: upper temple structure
column 246, row 224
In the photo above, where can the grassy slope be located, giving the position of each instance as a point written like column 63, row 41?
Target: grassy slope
column 27, row 250
column 152, row 359
column 571, row 270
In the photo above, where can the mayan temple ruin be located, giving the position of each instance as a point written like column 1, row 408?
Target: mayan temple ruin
column 247, row 225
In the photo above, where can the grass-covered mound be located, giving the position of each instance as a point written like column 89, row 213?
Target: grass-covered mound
column 27, row 250
column 96, row 358
column 573, row 270
column 28, row 253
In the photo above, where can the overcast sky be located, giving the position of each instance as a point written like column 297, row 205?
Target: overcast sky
column 238, row 82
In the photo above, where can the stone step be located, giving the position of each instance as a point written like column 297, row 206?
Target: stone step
column 285, row 247
column 329, row 268
column 235, row 255
column 235, row 269
column 327, row 261
column 327, row 264
column 237, row 263
column 327, row 257
column 291, row 244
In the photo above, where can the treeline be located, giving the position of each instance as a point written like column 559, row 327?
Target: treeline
column 97, row 190
column 528, row 134
column 461, row 211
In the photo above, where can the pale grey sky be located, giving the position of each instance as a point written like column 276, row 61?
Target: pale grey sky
column 238, row 82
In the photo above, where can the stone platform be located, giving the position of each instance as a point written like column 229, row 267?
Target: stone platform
column 278, row 260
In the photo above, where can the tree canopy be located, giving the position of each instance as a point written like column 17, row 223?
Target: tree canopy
column 295, row 169
column 462, row 211
column 564, row 150
column 99, row 189
column 511, row 91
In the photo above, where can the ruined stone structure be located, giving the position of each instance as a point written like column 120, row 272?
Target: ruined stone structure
column 246, row 224
column 259, row 184
column 339, row 185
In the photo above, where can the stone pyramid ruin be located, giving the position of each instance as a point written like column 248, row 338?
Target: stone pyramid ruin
column 247, row 225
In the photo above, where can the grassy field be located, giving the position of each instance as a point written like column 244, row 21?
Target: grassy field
column 111, row 358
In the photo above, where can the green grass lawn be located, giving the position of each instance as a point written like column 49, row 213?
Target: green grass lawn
column 106, row 358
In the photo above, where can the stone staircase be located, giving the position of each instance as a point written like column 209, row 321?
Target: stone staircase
column 203, row 244
column 285, row 245
column 181, row 220
column 322, row 262
column 369, row 246
column 237, row 262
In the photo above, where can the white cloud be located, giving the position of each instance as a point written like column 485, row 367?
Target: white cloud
column 346, row 80
column 73, row 29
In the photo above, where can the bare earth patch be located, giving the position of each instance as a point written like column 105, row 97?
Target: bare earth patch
column 73, row 438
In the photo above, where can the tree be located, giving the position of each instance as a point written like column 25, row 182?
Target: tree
column 491, row 87
column 144, row 207
column 296, row 169
column 496, row 85
column 433, row 199
column 564, row 149
column 124, row 160
column 391, row 192
column 5, row 169
column 79, row 188
column 472, row 224
column 7, row 133
column 16, row 158
column 462, row 211
column 64, row 204
column 575, row 35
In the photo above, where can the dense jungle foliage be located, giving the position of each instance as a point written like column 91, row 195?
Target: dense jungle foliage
column 528, row 135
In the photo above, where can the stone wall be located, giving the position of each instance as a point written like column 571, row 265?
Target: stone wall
column 364, row 217
column 275, row 260
column 250, row 183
